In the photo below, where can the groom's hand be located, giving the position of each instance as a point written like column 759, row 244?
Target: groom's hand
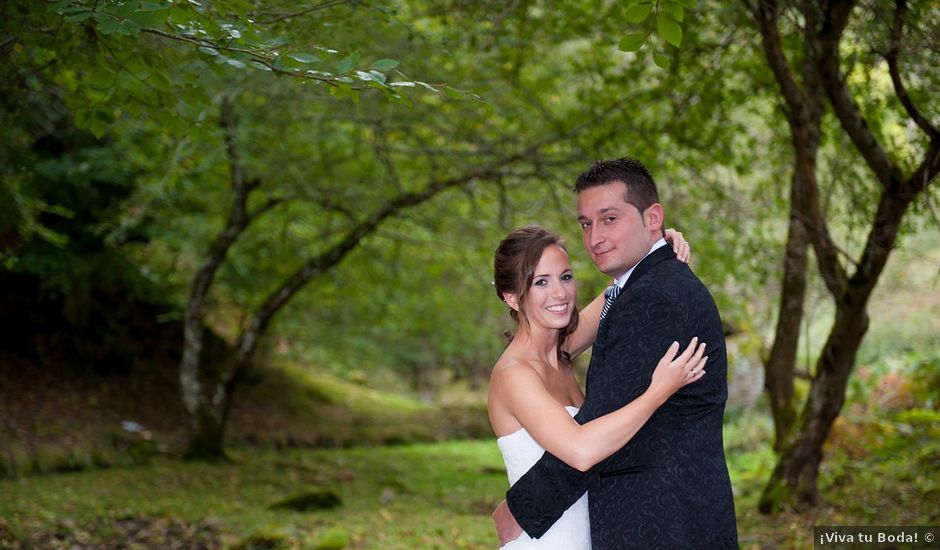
column 506, row 526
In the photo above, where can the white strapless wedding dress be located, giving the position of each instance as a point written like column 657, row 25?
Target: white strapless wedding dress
column 572, row 531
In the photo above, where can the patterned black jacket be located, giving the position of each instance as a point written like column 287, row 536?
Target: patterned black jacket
column 669, row 486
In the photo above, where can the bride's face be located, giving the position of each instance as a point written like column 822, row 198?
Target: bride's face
column 551, row 298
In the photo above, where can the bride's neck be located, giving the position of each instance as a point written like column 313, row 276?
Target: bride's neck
column 539, row 343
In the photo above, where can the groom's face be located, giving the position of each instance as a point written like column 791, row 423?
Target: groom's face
column 614, row 231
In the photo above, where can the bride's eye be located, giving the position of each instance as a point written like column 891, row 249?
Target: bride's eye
column 567, row 277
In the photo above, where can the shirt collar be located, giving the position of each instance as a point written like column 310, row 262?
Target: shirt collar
column 622, row 280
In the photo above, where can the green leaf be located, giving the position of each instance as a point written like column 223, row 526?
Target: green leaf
column 385, row 64
column 81, row 16
column 152, row 6
column 669, row 29
column 129, row 27
column 662, row 60
column 673, row 9
column 639, row 12
column 195, row 97
column 238, row 7
column 57, row 7
column 150, row 18
column 371, row 76
column 304, row 57
column 232, row 61
column 344, row 91
column 98, row 123
column 632, row 42
column 108, row 25
column 81, row 118
column 282, row 63
column 347, row 63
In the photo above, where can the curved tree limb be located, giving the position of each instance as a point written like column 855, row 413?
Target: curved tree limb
column 239, row 218
column 835, row 19
column 804, row 110
column 892, row 57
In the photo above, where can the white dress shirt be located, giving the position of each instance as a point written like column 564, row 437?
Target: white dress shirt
column 622, row 280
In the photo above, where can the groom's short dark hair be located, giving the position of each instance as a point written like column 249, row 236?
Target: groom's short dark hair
column 641, row 189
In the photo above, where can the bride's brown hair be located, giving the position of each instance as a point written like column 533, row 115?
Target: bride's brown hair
column 514, row 268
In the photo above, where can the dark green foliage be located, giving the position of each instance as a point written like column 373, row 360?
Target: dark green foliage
column 263, row 541
column 320, row 499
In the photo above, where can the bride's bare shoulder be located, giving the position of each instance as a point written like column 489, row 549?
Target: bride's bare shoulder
column 510, row 371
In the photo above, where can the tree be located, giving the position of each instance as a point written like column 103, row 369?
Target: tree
column 804, row 102
column 209, row 418
column 824, row 35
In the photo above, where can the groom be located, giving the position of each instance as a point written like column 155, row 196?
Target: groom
column 668, row 487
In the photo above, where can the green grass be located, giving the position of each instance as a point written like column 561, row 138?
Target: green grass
column 440, row 495
column 277, row 406
column 393, row 497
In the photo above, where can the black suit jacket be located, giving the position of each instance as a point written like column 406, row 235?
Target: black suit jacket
column 669, row 486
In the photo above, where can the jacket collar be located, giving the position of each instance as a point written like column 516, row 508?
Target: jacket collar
column 655, row 257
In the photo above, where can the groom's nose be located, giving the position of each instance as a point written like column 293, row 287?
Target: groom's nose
column 595, row 238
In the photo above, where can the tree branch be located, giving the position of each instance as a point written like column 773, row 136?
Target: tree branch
column 835, row 19
column 892, row 57
column 322, row 5
column 264, row 208
column 803, row 109
column 766, row 13
column 255, row 56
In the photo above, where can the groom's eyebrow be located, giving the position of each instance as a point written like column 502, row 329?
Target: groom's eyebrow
column 600, row 212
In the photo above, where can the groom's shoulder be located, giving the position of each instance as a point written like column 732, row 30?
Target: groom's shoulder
column 673, row 279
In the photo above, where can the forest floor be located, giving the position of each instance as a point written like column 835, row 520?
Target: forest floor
column 91, row 461
column 54, row 420
column 436, row 495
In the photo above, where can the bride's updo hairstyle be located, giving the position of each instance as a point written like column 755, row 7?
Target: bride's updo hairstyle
column 514, row 268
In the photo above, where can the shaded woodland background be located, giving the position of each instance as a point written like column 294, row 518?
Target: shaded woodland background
column 246, row 253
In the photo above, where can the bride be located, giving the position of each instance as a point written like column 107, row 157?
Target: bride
column 533, row 394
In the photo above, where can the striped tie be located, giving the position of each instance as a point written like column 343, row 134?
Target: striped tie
column 610, row 295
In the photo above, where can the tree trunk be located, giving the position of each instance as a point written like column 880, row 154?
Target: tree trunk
column 206, row 439
column 780, row 366
column 803, row 105
column 205, row 426
column 794, row 478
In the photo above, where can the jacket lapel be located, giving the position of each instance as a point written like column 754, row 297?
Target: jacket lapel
column 659, row 255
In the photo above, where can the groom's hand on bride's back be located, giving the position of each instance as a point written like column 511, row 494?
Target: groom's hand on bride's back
column 506, row 526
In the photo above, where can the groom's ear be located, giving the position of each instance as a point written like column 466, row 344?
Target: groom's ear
column 654, row 217
column 512, row 300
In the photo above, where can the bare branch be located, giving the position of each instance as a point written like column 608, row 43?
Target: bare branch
column 804, row 110
column 264, row 208
column 835, row 19
column 892, row 57
column 380, row 148
column 767, row 13
column 322, row 5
